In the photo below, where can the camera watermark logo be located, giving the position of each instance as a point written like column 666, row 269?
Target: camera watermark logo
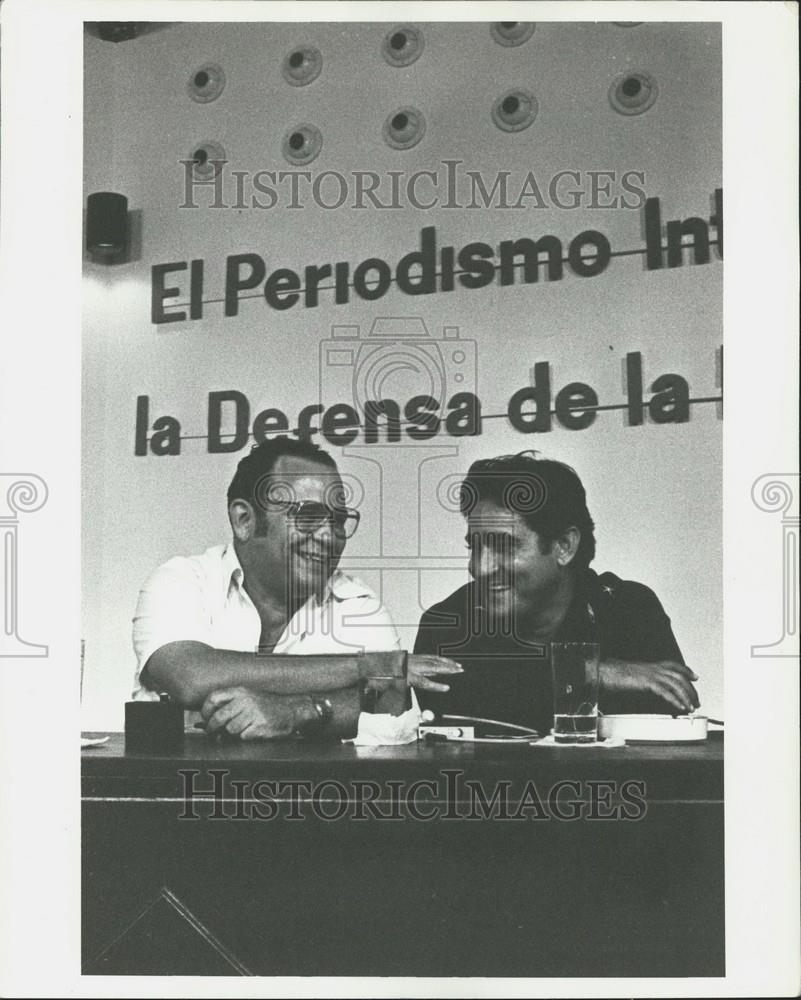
column 370, row 370
column 24, row 494
column 405, row 393
column 778, row 493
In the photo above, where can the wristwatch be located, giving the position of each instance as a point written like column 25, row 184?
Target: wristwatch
column 385, row 665
column 324, row 712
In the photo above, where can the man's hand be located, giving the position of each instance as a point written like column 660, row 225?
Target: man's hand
column 250, row 716
column 667, row 680
column 421, row 667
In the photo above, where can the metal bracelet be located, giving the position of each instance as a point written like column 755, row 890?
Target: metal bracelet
column 324, row 709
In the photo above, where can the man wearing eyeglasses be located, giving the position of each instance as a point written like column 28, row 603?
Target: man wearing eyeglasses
column 266, row 636
column 531, row 541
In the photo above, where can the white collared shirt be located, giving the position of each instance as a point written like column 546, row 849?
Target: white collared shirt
column 203, row 599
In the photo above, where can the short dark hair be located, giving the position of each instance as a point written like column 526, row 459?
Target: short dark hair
column 548, row 495
column 260, row 462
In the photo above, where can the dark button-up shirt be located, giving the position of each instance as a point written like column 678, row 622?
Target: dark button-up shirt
column 508, row 678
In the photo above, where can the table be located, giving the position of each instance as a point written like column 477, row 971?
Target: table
column 424, row 860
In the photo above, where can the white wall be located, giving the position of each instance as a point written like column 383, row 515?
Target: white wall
column 654, row 490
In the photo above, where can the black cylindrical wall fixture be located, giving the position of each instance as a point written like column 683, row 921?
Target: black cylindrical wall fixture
column 107, row 227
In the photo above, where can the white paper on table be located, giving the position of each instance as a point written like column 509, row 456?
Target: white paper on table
column 387, row 730
column 96, row 742
column 607, row 744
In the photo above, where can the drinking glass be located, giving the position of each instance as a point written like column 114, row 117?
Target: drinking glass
column 574, row 668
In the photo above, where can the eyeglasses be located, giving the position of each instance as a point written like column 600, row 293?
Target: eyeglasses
column 309, row 515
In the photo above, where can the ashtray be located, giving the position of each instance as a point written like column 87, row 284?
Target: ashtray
column 654, row 728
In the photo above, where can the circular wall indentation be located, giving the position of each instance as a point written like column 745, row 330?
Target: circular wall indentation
column 514, row 110
column 511, row 33
column 207, row 158
column 302, row 65
column 404, row 128
column 206, row 83
column 302, row 144
column 633, row 92
column 402, row 45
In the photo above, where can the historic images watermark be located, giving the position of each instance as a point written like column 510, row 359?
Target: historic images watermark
column 450, row 796
column 208, row 181
column 777, row 493
column 25, row 493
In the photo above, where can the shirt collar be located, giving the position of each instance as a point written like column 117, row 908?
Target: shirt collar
column 343, row 586
column 232, row 572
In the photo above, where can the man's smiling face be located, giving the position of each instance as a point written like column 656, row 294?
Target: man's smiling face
column 302, row 559
column 515, row 578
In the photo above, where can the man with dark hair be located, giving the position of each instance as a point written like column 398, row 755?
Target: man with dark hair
column 220, row 632
column 531, row 541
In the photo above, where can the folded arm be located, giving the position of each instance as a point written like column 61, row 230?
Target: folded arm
column 248, row 715
column 174, row 644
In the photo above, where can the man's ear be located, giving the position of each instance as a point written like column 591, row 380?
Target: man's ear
column 566, row 546
column 243, row 520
